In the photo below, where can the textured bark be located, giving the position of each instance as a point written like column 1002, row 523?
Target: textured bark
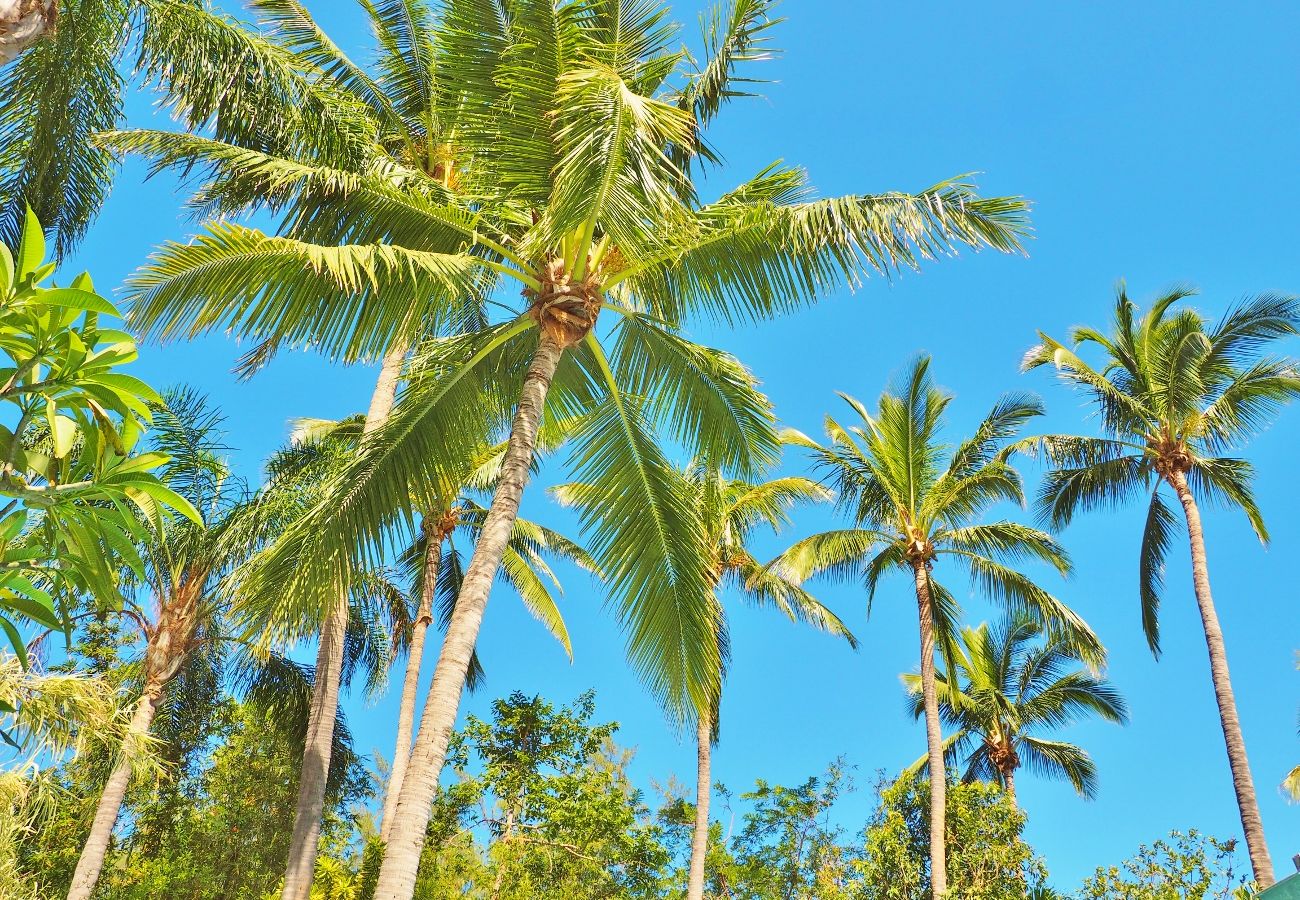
column 169, row 642
column 703, row 786
column 933, row 739
column 1009, row 785
column 319, row 746
column 411, row 683
column 410, row 819
column 95, row 849
column 23, row 23
column 1251, row 824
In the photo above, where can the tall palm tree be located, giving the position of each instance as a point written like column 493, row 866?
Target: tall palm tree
column 1173, row 394
column 1005, row 687
column 563, row 181
column 915, row 504
column 389, row 133
column 726, row 514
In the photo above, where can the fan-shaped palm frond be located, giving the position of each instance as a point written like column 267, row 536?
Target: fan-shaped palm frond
column 1009, row 684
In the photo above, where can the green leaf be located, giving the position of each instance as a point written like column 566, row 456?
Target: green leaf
column 15, row 641
column 74, row 298
column 31, row 248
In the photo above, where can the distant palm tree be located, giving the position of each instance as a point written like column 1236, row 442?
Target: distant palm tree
column 915, row 504
column 179, row 606
column 727, row 512
column 1173, row 394
column 1006, row 687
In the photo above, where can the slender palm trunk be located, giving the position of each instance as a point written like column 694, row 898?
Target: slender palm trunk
column 1251, row 824
column 933, row 738
column 406, row 837
column 165, row 652
column 1009, row 785
column 703, row 786
column 93, row 853
column 411, row 684
column 319, row 746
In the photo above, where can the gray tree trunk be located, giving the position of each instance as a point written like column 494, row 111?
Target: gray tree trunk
column 406, row 837
column 23, row 23
column 703, row 787
column 411, row 683
column 933, row 739
column 319, row 747
column 91, row 862
column 1251, row 824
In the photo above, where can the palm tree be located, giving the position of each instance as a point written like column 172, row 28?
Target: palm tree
column 1173, row 394
column 180, row 614
column 915, row 503
column 211, row 71
column 558, row 176
column 726, row 513
column 1005, row 687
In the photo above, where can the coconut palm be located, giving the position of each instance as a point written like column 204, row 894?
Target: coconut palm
column 566, row 130
column 1174, row 393
column 208, row 68
column 1007, row 686
column 727, row 512
column 916, row 504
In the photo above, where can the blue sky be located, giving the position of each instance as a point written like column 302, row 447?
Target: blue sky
column 1157, row 143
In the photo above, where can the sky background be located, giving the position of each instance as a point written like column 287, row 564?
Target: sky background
column 1157, row 143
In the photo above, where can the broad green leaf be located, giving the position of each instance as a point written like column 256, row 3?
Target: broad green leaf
column 74, row 298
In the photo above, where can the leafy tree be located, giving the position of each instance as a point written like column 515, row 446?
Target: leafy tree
column 727, row 513
column 916, row 503
column 1173, row 394
column 1005, row 688
column 788, row 847
column 549, row 792
column 987, row 858
column 71, row 481
column 1187, row 866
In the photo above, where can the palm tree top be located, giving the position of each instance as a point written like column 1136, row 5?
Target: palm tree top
column 915, row 500
column 1173, row 393
column 1011, row 683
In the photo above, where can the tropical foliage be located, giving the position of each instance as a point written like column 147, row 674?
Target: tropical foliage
column 1005, row 692
column 511, row 206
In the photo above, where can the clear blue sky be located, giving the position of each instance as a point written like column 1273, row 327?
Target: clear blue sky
column 1158, row 144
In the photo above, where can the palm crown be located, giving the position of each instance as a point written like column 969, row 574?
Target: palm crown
column 1006, row 687
column 916, row 502
column 1172, row 394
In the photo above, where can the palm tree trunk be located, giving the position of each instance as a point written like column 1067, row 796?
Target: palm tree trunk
column 1009, row 786
column 411, row 684
column 91, row 862
column 703, row 786
column 319, row 746
column 406, row 837
column 24, row 23
column 167, row 647
column 1251, row 823
column 933, row 738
